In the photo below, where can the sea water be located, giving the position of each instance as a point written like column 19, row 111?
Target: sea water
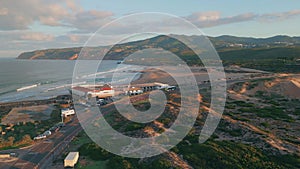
column 41, row 79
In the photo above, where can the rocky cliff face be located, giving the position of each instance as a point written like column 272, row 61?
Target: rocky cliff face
column 64, row 54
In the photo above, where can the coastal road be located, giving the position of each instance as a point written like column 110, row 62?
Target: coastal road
column 31, row 157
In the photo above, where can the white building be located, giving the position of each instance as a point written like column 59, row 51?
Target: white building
column 161, row 85
column 94, row 91
column 67, row 112
column 134, row 91
column 71, row 159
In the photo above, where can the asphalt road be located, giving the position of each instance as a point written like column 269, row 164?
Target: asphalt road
column 31, row 156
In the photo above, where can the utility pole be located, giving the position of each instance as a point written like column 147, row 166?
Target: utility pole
column 62, row 118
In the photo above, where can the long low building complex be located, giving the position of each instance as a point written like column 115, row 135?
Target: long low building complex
column 134, row 91
column 107, row 91
column 100, row 91
column 151, row 86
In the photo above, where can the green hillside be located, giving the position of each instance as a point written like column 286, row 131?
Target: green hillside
column 276, row 54
column 279, row 59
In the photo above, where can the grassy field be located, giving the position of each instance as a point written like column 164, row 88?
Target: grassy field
column 279, row 59
column 92, row 165
column 21, row 134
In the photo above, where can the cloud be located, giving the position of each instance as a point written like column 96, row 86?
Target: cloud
column 74, row 38
column 37, row 36
column 204, row 16
column 234, row 19
column 90, row 21
column 74, row 5
column 12, row 43
column 164, row 23
column 3, row 11
column 19, row 15
column 214, row 18
column 48, row 20
column 278, row 16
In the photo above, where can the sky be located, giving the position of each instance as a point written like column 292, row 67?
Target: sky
column 29, row 25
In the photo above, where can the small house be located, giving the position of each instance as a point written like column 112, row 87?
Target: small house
column 71, row 159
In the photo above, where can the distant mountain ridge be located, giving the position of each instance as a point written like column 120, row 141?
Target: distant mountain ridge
column 248, row 42
column 270, row 40
column 221, row 43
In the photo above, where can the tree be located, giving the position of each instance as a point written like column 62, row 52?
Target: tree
column 11, row 140
column 26, row 139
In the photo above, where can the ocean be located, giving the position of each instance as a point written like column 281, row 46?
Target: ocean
column 41, row 79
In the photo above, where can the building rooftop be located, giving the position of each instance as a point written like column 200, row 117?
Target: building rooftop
column 83, row 89
column 65, row 109
column 134, row 88
column 93, row 88
column 72, row 155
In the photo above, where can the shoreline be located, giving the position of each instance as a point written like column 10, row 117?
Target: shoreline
column 151, row 75
column 6, row 105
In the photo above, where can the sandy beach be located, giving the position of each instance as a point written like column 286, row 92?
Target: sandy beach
column 155, row 75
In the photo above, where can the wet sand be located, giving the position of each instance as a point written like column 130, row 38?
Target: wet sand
column 155, row 75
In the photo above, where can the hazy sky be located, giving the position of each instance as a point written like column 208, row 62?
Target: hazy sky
column 37, row 24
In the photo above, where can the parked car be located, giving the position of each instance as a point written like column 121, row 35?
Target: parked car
column 47, row 133
column 39, row 137
column 13, row 154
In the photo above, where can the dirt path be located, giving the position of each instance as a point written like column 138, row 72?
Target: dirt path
column 177, row 160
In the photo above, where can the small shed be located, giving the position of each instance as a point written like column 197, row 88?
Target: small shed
column 71, row 159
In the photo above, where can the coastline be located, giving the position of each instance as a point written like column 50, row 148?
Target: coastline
column 28, row 102
column 151, row 75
